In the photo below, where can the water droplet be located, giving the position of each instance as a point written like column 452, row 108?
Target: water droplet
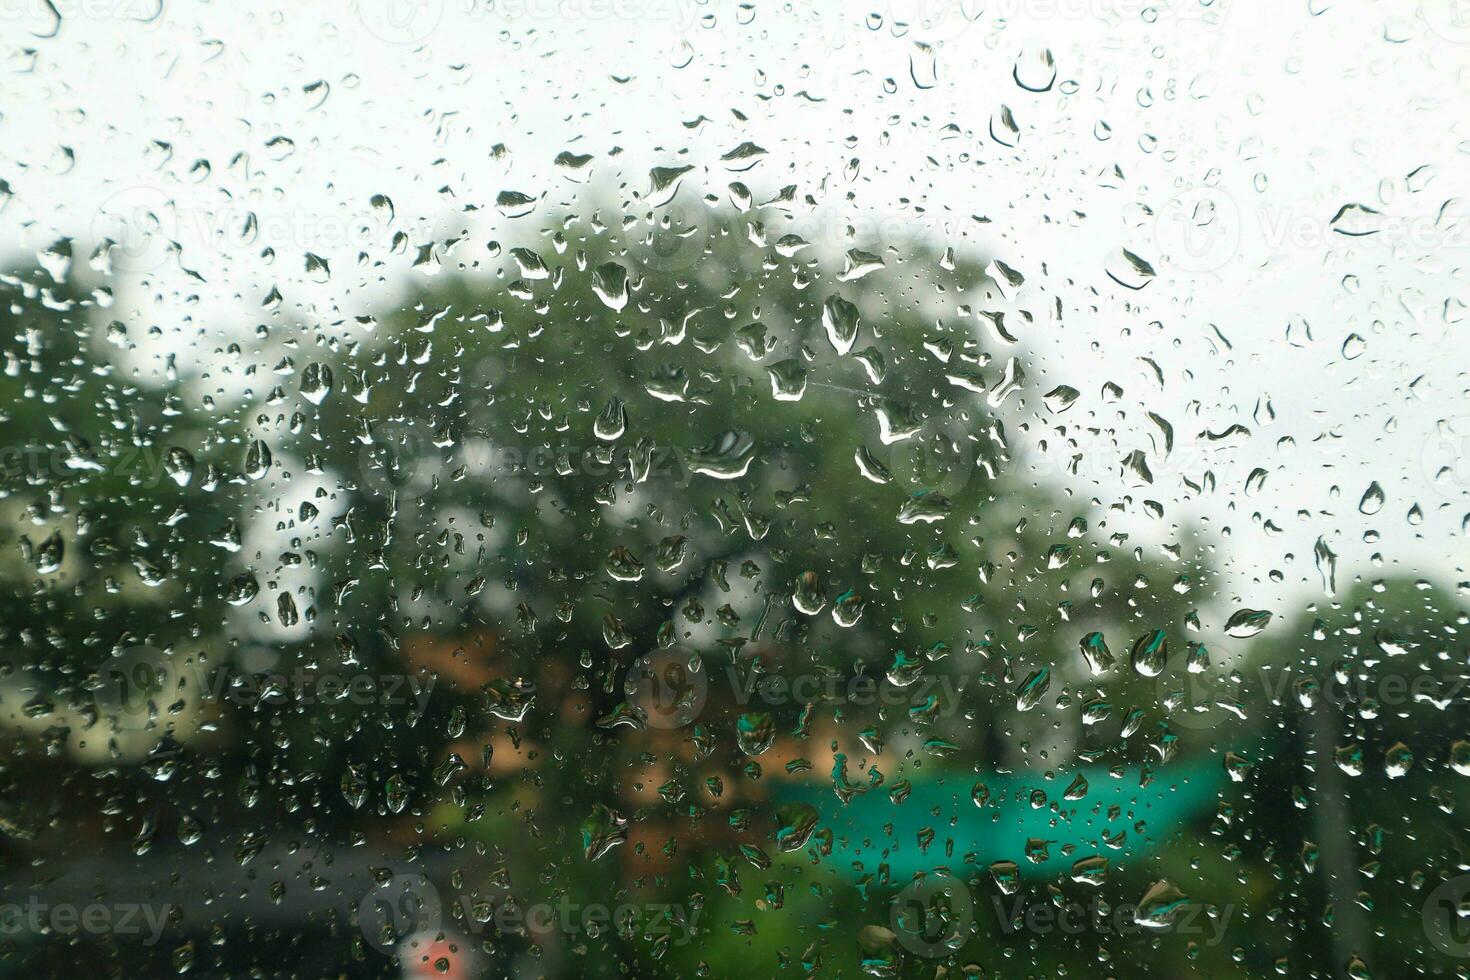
column 1326, row 562
column 1349, row 759
column 1398, row 760
column 610, row 283
column 611, row 422
column 743, row 157
column 1129, row 270
column 603, row 830
column 1095, row 651
column 1007, row 876
column 794, row 825
column 924, row 507
column 1006, row 279
column 847, row 609
column 1090, row 871
column 515, row 204
column 726, row 457
column 755, row 732
column 1033, row 689
column 1372, row 500
column 840, row 319
column 923, row 65
column 856, row 264
column 1245, row 623
column 316, row 383
column 243, row 588
column 1160, row 906
column 623, row 565
column 1003, row 127
column 1060, row 398
column 663, row 184
column 788, row 380
column 257, row 460
column 1460, row 756
column 1034, row 70
column 807, row 595
column 1150, row 652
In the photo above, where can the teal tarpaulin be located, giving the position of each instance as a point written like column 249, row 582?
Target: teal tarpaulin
column 871, row 829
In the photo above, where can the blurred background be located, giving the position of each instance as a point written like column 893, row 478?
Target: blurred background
column 663, row 489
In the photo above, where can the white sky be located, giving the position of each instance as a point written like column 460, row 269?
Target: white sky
column 1276, row 114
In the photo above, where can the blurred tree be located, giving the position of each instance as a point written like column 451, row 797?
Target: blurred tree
column 494, row 498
